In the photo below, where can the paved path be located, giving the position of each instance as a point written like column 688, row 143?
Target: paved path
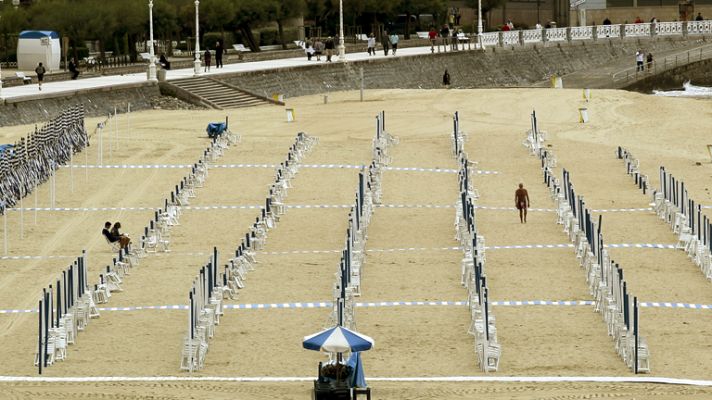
column 601, row 77
column 590, row 78
column 18, row 92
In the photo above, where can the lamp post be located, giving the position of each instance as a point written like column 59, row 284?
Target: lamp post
column 196, row 63
column 342, row 47
column 152, row 62
column 479, row 24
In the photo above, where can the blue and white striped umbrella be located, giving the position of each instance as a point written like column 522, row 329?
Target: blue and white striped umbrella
column 337, row 340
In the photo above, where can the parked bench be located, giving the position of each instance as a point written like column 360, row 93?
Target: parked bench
column 25, row 79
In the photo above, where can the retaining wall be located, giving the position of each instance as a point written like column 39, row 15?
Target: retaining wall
column 496, row 67
column 96, row 102
column 699, row 73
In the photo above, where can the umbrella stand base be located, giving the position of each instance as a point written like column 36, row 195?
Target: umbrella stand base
column 333, row 390
column 358, row 391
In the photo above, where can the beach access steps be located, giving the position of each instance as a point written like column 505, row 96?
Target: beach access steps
column 218, row 95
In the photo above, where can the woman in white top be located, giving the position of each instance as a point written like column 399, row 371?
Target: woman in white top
column 371, row 45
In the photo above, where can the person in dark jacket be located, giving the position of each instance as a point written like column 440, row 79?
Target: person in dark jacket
column 219, row 51
column 73, row 69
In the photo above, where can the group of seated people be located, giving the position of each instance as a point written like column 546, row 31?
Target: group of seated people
column 113, row 235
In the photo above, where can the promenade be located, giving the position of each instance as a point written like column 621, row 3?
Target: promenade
column 69, row 86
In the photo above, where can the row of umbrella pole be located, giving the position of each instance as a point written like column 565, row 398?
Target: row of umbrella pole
column 341, row 336
column 473, row 276
column 213, row 285
column 348, row 276
column 673, row 204
column 61, row 317
column 604, row 276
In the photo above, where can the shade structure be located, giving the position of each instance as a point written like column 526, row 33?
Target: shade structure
column 337, row 340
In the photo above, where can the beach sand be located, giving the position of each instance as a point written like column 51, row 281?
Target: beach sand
column 410, row 258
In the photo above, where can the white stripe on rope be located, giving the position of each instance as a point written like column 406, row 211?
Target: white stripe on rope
column 327, row 304
column 302, row 206
column 34, row 257
column 394, row 250
column 273, row 379
column 228, row 166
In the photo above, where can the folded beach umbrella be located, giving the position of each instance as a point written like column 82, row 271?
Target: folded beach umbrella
column 337, row 340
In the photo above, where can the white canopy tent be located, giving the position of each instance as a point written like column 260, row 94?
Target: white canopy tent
column 34, row 47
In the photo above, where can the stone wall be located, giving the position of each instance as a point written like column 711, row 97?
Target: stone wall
column 497, row 67
column 96, row 102
column 698, row 73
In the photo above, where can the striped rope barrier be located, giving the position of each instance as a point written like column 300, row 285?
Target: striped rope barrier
column 327, row 304
column 281, row 379
column 269, row 166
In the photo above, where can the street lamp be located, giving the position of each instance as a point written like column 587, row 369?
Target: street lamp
column 196, row 63
column 342, row 48
column 152, row 62
column 479, row 23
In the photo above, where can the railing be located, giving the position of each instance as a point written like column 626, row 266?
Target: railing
column 670, row 62
column 596, row 32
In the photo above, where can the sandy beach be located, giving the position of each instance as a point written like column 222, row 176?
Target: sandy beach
column 410, row 256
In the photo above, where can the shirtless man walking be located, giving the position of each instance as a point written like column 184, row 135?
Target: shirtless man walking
column 521, row 200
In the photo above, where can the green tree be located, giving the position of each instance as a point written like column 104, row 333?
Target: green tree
column 281, row 10
column 487, row 6
column 417, row 7
column 249, row 13
column 216, row 15
column 12, row 21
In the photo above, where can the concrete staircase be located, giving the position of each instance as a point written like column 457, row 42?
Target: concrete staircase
column 215, row 94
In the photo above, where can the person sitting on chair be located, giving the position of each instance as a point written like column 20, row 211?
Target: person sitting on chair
column 165, row 64
column 107, row 233
column 124, row 240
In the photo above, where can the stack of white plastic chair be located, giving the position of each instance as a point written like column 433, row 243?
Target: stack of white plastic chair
column 535, row 137
column 473, row 277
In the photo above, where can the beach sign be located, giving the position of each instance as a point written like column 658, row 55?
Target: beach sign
column 587, row 95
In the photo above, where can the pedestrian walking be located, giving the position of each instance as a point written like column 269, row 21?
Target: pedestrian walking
column 521, row 200
column 219, row 51
column 207, row 59
column 309, row 50
column 649, row 62
column 329, row 46
column 40, row 71
column 446, row 78
column 318, row 48
column 394, row 42
column 639, row 57
column 385, row 42
column 72, row 67
column 432, row 35
column 445, row 34
column 453, row 42
column 371, row 45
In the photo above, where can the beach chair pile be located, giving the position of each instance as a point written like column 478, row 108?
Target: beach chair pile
column 206, row 296
column 672, row 203
column 33, row 160
column 473, row 276
column 534, row 141
column 382, row 142
column 347, row 284
column 632, row 168
column 605, row 278
column 211, row 287
column 65, row 308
